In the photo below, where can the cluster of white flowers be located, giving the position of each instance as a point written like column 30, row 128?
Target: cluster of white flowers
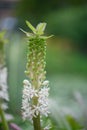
column 47, row 128
column 28, row 109
column 3, row 86
column 4, row 92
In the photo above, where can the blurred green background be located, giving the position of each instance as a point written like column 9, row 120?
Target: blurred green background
column 66, row 51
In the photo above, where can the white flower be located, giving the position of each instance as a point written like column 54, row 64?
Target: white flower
column 43, row 101
column 47, row 128
column 28, row 91
column 4, row 92
column 45, row 83
column 44, row 110
column 3, row 75
column 30, row 110
column 4, row 106
column 44, row 92
column 3, row 85
column 27, row 111
column 26, row 83
column 36, row 109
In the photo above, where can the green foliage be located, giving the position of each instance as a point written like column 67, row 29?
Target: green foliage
column 75, row 125
column 65, row 62
column 36, row 9
column 70, row 23
column 2, row 37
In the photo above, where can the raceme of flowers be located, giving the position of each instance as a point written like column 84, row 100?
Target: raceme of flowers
column 28, row 110
column 36, row 90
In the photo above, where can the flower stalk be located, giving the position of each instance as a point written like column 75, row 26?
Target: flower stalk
column 4, row 122
column 36, row 90
column 3, row 82
column 36, row 123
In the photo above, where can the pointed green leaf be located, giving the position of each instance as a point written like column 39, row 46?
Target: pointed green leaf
column 30, row 26
column 27, row 33
column 46, row 37
column 23, row 30
column 40, row 28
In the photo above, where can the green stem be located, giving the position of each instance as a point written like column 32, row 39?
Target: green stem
column 36, row 123
column 36, row 120
column 4, row 122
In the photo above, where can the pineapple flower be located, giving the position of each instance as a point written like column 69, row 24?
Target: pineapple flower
column 36, row 90
column 4, row 97
column 28, row 110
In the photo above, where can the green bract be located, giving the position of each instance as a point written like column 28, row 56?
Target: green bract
column 38, row 31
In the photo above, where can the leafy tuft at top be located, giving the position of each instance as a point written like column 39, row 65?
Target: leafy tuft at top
column 38, row 31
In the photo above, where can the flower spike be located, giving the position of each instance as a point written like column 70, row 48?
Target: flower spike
column 36, row 89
